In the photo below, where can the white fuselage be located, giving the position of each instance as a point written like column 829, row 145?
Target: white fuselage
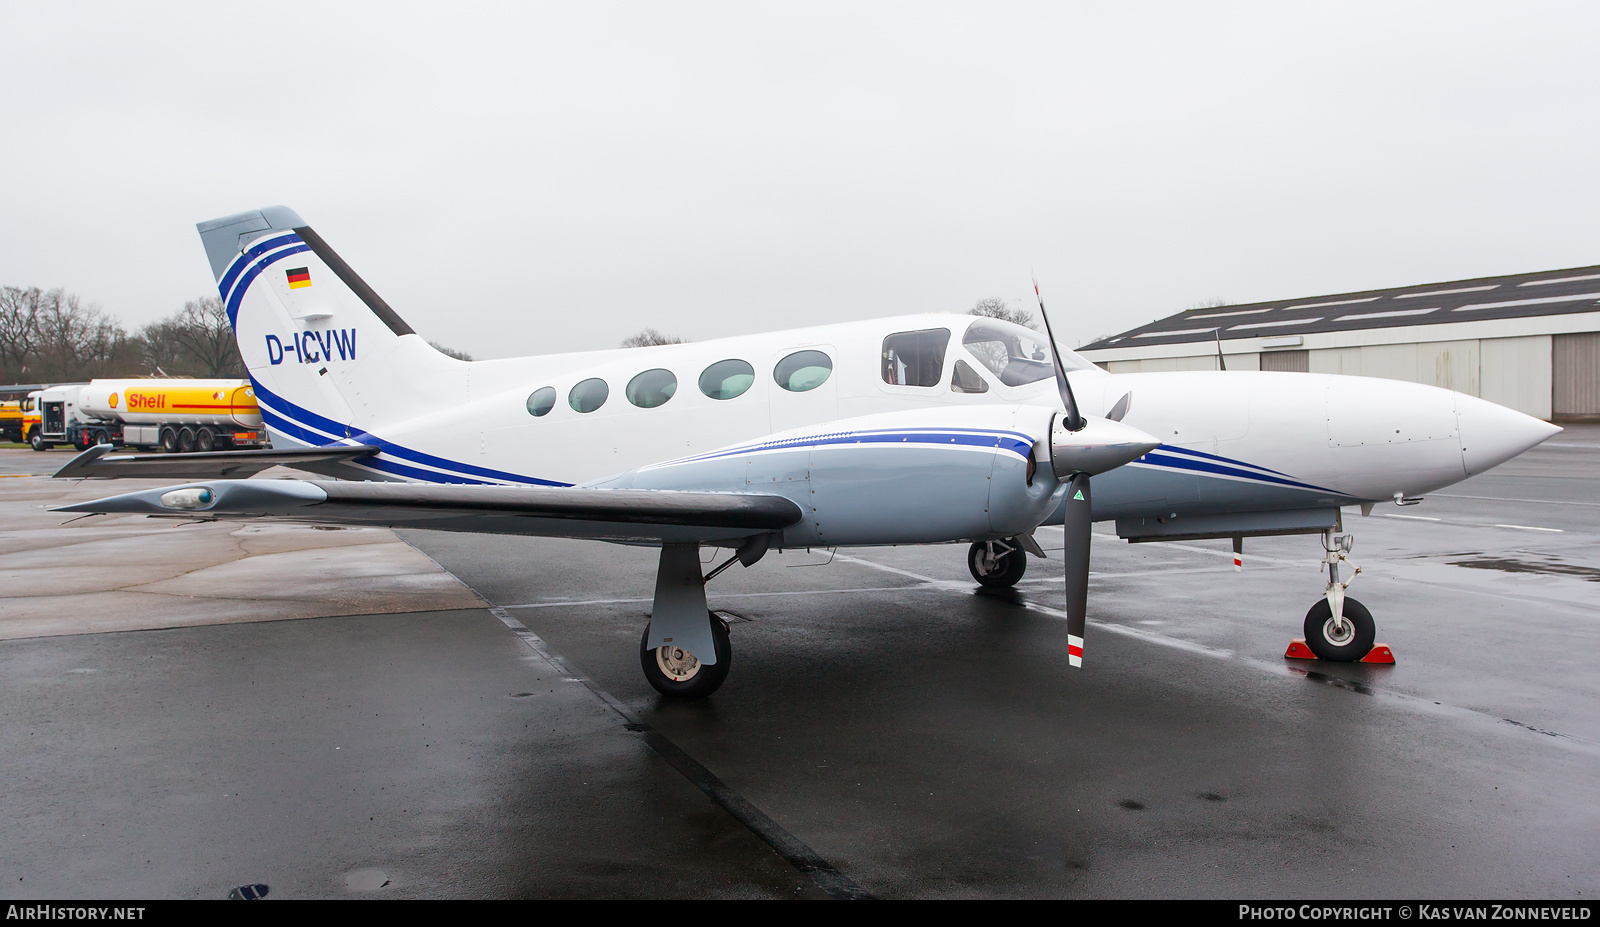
column 1231, row 441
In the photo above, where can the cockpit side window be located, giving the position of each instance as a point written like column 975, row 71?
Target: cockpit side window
column 915, row 358
column 1014, row 354
column 966, row 380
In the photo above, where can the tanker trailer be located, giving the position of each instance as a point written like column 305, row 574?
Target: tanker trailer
column 177, row 415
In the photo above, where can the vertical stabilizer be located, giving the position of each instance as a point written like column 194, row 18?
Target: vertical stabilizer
column 329, row 358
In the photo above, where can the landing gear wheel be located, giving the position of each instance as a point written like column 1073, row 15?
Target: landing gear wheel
column 169, row 440
column 205, row 440
column 996, row 567
column 185, row 440
column 675, row 672
column 37, row 442
column 1340, row 641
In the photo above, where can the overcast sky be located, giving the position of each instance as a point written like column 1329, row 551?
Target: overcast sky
column 524, row 178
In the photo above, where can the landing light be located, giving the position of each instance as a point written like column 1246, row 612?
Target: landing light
column 194, row 498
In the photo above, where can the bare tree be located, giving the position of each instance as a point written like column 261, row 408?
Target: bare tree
column 1207, row 304
column 996, row 308
column 203, row 331
column 195, row 341
column 75, row 340
column 160, row 351
column 646, row 337
column 19, row 334
column 450, row 352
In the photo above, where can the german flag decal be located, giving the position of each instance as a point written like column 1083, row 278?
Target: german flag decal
column 299, row 277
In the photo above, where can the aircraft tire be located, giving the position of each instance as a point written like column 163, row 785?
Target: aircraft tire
column 1007, row 573
column 1348, row 648
column 702, row 680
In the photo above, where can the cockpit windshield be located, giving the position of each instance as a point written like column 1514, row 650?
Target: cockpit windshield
column 1016, row 355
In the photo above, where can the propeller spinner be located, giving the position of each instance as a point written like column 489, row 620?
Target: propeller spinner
column 1079, row 448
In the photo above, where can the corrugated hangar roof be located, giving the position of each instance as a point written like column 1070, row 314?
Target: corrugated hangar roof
column 1551, row 292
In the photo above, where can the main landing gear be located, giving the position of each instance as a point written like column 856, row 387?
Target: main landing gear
column 1000, row 564
column 1338, row 628
column 685, row 651
column 674, row 671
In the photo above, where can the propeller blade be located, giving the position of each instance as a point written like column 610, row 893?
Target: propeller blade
column 1075, row 555
column 1068, row 401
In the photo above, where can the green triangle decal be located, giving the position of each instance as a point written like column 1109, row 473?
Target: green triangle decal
column 1078, row 495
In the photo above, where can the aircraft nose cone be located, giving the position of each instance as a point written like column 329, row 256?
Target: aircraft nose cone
column 1493, row 434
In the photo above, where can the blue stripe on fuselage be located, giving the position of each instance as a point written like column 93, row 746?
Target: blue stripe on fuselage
column 1012, row 441
column 1157, row 458
column 299, row 420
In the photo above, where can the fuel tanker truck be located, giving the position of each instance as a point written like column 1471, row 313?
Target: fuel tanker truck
column 177, row 415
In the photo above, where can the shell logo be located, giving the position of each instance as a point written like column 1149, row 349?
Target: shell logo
column 112, row 401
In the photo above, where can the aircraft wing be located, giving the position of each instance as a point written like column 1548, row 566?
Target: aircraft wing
column 200, row 465
column 646, row 515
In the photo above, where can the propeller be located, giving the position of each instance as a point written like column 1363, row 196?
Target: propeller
column 1080, row 447
column 1068, row 401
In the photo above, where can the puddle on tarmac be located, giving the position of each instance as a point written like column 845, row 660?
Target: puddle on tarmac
column 366, row 880
column 1548, row 568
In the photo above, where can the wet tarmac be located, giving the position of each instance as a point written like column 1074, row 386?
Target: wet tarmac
column 915, row 737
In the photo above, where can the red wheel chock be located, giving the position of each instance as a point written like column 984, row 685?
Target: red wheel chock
column 1380, row 653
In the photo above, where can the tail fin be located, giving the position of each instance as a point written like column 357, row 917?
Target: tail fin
column 328, row 357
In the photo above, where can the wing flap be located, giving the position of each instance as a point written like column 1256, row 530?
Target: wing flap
column 608, row 514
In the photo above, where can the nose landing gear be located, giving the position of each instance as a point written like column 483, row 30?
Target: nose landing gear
column 1339, row 628
column 1000, row 564
column 996, row 564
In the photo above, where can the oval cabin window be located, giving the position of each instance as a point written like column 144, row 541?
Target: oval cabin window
column 727, row 378
column 803, row 370
column 589, row 395
column 541, row 400
column 651, row 388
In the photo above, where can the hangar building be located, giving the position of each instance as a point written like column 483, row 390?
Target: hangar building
column 1527, row 341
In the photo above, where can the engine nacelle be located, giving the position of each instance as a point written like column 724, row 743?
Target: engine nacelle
column 916, row 477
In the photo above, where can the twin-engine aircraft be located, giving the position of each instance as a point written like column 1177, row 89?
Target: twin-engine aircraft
column 923, row 429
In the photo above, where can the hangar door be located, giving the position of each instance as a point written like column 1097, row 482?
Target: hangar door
column 1293, row 361
column 1575, row 382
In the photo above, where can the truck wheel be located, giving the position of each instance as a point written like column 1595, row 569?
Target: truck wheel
column 169, row 440
column 185, row 440
column 205, row 440
column 36, row 441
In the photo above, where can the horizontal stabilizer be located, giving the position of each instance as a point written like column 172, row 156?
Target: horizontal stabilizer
column 646, row 515
column 201, row 465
